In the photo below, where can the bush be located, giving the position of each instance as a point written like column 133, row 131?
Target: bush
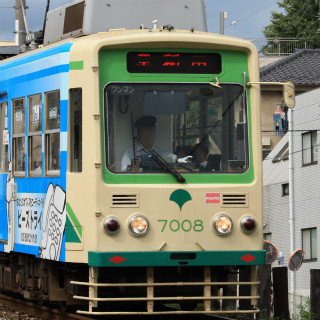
column 304, row 312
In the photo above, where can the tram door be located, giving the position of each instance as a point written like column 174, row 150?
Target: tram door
column 6, row 208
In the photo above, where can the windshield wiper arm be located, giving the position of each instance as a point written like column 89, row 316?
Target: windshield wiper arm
column 162, row 162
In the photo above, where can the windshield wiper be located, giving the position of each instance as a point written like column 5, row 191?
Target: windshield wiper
column 162, row 162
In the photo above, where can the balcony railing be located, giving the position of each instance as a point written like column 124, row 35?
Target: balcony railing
column 279, row 46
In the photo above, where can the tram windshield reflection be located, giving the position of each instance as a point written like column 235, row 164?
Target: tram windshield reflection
column 196, row 128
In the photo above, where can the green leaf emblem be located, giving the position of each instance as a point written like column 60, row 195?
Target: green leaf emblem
column 180, row 197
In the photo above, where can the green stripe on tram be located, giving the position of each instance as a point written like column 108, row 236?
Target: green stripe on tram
column 181, row 258
column 73, row 226
column 76, row 65
column 71, row 234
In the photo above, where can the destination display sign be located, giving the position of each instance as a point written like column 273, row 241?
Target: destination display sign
column 179, row 62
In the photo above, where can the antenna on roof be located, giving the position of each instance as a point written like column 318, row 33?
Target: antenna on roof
column 25, row 39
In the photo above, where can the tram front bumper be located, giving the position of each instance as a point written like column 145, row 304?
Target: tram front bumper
column 182, row 258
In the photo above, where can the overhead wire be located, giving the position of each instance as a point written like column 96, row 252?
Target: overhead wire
column 293, row 20
column 297, row 17
column 294, row 152
column 300, row 123
column 250, row 15
column 297, row 110
column 295, row 130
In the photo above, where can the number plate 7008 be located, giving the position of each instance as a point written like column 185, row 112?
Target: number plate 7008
column 185, row 225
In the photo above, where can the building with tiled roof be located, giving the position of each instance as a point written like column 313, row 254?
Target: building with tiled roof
column 303, row 69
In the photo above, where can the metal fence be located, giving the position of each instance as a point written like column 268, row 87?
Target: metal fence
column 279, row 46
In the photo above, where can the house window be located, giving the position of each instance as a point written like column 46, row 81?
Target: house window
column 18, row 136
column 309, row 244
column 309, row 148
column 52, row 133
column 4, row 138
column 285, row 189
column 35, row 135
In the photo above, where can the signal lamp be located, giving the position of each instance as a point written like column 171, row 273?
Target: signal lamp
column 138, row 225
column 111, row 225
column 248, row 224
column 222, row 224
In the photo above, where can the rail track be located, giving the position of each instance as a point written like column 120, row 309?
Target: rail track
column 37, row 311
column 43, row 312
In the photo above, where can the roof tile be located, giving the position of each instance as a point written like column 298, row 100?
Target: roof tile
column 301, row 67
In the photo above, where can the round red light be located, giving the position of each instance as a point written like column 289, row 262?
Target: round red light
column 249, row 224
column 113, row 225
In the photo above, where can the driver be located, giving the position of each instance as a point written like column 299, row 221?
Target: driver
column 147, row 133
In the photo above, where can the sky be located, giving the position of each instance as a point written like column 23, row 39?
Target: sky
column 246, row 18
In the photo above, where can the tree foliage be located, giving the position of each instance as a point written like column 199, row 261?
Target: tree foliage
column 299, row 20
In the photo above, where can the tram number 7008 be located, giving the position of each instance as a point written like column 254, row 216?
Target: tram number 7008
column 185, row 225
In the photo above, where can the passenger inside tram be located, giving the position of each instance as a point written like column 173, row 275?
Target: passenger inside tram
column 195, row 128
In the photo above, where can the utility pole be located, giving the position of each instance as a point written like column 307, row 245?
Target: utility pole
column 291, row 209
column 21, row 28
column 318, row 31
column 223, row 15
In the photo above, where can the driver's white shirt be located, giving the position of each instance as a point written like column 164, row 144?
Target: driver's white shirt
column 129, row 155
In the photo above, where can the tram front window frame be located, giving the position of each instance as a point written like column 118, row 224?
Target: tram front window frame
column 188, row 119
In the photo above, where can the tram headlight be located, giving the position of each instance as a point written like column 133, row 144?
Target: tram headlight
column 138, row 225
column 222, row 224
column 111, row 225
column 248, row 224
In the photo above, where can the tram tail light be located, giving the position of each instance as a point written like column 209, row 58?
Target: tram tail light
column 248, row 224
column 111, row 225
column 222, row 224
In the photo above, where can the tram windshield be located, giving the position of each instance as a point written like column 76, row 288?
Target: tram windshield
column 193, row 128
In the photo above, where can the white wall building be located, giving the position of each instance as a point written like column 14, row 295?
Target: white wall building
column 306, row 177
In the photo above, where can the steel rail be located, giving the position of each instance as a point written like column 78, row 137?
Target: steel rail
column 36, row 310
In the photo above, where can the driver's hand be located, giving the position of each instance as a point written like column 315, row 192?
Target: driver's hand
column 184, row 160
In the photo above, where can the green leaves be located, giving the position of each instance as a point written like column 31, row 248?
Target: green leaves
column 299, row 20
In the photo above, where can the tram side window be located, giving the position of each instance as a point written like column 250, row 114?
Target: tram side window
column 76, row 130
column 18, row 136
column 35, row 135
column 52, row 133
column 4, row 137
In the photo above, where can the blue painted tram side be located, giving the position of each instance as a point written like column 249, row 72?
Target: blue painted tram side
column 34, row 94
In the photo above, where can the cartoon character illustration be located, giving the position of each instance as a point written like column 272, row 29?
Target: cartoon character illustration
column 10, row 198
column 53, row 223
